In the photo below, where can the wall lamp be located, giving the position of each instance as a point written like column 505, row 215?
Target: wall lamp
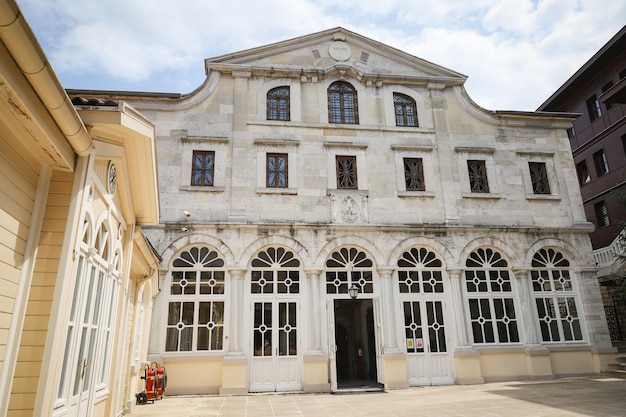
column 353, row 291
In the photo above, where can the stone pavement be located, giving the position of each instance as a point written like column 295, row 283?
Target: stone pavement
column 562, row 397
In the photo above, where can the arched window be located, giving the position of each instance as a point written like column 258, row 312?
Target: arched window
column 555, row 297
column 278, row 104
column 347, row 267
column 490, row 297
column 195, row 318
column 342, row 103
column 419, row 271
column 405, row 110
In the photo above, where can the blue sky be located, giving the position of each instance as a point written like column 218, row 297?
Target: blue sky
column 515, row 52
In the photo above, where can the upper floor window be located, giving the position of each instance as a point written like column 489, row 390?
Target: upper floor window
column 583, row 173
column 342, row 103
column 602, row 214
column 276, row 170
column 477, row 172
column 593, row 107
column 202, row 168
column 539, row 177
column 406, row 112
column 606, row 87
column 414, row 174
column 346, row 172
column 278, row 104
column 599, row 159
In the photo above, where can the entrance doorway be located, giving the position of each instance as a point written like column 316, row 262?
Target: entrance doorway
column 355, row 344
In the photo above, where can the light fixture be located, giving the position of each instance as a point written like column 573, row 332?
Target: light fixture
column 186, row 213
column 353, row 291
column 184, row 229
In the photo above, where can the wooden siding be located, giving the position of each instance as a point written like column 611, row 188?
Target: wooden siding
column 18, row 183
column 34, row 335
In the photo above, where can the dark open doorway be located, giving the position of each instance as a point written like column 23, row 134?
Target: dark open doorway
column 356, row 345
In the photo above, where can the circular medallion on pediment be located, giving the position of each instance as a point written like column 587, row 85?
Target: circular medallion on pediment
column 339, row 51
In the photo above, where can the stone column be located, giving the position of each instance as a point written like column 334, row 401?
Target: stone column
column 236, row 311
column 526, row 300
column 458, row 306
column 314, row 314
column 388, row 309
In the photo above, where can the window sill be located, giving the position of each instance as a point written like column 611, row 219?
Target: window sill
column 286, row 191
column 492, row 196
column 202, row 188
column 551, row 197
column 412, row 194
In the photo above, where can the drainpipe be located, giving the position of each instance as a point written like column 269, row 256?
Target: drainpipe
column 21, row 42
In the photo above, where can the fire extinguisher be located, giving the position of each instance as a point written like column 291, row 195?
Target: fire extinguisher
column 150, row 374
column 161, row 381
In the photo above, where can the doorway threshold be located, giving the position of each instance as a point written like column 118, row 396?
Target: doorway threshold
column 358, row 390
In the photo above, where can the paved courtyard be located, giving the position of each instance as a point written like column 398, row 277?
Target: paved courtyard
column 561, row 397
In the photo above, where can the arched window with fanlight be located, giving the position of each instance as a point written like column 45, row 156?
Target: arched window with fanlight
column 347, row 267
column 556, row 297
column 343, row 106
column 197, row 295
column 489, row 289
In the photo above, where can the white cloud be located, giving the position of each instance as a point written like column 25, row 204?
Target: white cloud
column 515, row 52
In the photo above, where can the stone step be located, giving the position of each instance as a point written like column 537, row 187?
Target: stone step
column 616, row 366
column 614, row 374
column 620, row 358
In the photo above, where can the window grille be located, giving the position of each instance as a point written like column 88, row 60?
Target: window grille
column 477, row 172
column 342, row 103
column 202, row 168
column 278, row 103
column 405, row 110
column 539, row 177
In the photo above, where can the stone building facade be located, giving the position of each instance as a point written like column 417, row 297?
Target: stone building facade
column 304, row 170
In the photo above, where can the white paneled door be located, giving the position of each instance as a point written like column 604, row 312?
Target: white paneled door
column 275, row 363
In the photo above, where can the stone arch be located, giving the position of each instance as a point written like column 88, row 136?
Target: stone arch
column 343, row 241
column 196, row 239
column 572, row 254
column 422, row 241
column 503, row 248
column 301, row 252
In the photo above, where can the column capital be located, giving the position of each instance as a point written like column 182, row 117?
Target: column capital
column 237, row 272
column 313, row 271
column 455, row 272
column 521, row 273
column 385, row 271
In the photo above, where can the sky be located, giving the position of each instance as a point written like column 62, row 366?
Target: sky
column 516, row 53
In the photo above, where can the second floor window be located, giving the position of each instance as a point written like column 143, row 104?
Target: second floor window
column 342, row 104
column 406, row 113
column 599, row 159
column 414, row 174
column 583, row 173
column 276, row 170
column 602, row 214
column 593, row 107
column 278, row 104
column 539, row 177
column 202, row 169
column 346, row 172
column 477, row 172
